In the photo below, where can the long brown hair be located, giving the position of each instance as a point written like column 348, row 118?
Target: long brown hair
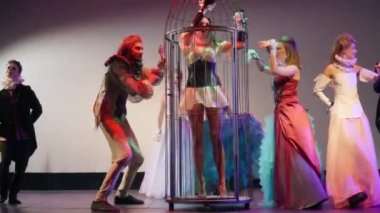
column 290, row 45
column 127, row 44
column 342, row 42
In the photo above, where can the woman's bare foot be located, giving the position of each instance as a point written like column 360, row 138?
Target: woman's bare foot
column 202, row 191
column 222, row 190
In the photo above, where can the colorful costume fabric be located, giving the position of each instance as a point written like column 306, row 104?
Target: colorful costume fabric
column 266, row 160
column 296, row 170
column 250, row 135
column 121, row 81
column 154, row 184
column 351, row 160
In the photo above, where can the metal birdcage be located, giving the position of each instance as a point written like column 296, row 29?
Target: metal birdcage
column 232, row 78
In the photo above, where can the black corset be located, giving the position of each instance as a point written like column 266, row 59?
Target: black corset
column 202, row 73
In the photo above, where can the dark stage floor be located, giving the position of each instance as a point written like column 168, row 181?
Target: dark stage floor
column 80, row 201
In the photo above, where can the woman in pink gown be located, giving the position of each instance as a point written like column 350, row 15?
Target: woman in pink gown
column 297, row 183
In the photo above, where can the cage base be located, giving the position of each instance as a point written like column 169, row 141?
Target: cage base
column 209, row 200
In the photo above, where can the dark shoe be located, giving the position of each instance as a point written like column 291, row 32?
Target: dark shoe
column 357, row 198
column 317, row 206
column 14, row 201
column 128, row 200
column 103, row 206
column 3, row 199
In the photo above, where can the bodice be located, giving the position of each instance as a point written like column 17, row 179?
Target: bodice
column 346, row 98
column 202, row 73
column 285, row 90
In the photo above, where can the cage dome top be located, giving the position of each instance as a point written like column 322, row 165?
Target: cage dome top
column 183, row 12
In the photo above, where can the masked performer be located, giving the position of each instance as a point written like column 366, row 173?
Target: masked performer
column 126, row 78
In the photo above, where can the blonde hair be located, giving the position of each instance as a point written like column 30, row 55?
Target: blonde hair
column 342, row 42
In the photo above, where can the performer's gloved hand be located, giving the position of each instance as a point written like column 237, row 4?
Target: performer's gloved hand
column 241, row 24
column 252, row 55
column 269, row 45
column 204, row 5
column 241, row 36
column 329, row 108
column 198, row 17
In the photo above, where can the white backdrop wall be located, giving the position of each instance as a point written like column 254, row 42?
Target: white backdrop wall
column 63, row 44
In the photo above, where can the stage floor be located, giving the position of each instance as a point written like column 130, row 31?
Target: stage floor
column 80, row 201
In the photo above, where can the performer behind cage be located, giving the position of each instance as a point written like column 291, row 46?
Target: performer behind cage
column 376, row 87
column 19, row 110
column 153, row 184
column 203, row 92
column 352, row 173
column 296, row 175
column 125, row 78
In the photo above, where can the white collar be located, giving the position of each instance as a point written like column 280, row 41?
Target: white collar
column 11, row 84
column 346, row 62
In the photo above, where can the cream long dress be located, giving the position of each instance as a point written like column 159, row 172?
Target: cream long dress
column 351, row 160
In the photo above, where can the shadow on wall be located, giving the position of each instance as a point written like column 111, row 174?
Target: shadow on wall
column 20, row 19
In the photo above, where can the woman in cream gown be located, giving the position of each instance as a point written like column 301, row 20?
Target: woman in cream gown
column 352, row 173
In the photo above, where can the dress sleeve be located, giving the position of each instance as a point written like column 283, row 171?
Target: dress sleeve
column 36, row 108
column 321, row 82
column 366, row 75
